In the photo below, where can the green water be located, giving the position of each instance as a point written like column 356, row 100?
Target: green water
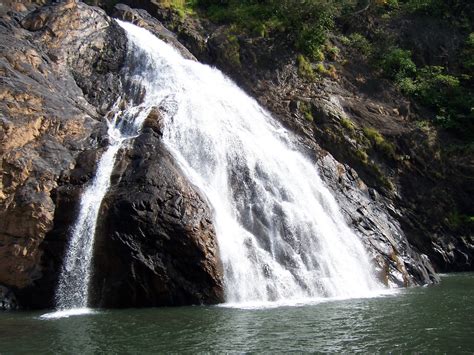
column 427, row 319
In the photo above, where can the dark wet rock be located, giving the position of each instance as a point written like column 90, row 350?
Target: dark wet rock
column 371, row 216
column 154, row 122
column 8, row 300
column 156, row 245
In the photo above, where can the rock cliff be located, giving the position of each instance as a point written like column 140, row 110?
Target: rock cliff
column 60, row 68
column 46, row 121
column 156, row 245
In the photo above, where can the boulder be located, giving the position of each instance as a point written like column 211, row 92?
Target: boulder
column 155, row 244
column 8, row 300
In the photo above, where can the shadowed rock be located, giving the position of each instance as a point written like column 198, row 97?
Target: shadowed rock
column 156, row 245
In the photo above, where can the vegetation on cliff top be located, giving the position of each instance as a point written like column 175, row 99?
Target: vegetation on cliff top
column 444, row 88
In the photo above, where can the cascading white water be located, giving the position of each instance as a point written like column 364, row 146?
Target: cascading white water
column 73, row 287
column 280, row 232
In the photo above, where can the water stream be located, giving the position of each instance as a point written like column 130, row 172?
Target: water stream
column 124, row 124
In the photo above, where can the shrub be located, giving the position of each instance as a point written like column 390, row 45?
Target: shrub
column 452, row 102
column 305, row 109
column 360, row 43
column 305, row 69
column 182, row 7
column 432, row 86
column 347, row 124
column 305, row 22
column 232, row 50
column 362, row 155
column 379, row 142
column 397, row 64
column 456, row 220
column 332, row 51
column 468, row 54
column 320, row 68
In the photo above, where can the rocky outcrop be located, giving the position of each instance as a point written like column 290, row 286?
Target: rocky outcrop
column 46, row 121
column 8, row 300
column 156, row 245
column 60, row 74
column 374, row 219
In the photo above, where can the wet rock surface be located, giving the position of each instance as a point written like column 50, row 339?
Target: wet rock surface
column 8, row 300
column 156, row 245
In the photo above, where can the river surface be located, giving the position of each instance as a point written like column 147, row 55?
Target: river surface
column 427, row 319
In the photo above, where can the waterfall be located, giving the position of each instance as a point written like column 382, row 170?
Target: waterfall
column 73, row 287
column 280, row 232
column 126, row 120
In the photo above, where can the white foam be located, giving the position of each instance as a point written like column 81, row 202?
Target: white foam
column 300, row 302
column 66, row 313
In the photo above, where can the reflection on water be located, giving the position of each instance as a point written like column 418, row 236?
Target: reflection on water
column 439, row 318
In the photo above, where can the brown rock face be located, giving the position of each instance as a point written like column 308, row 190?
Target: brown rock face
column 46, row 120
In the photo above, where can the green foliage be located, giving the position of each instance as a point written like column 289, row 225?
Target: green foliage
column 305, row 25
column 448, row 95
column 432, row 86
column 456, row 220
column 233, row 50
column 305, row 69
column 347, row 124
column 318, row 55
column 379, row 142
column 306, row 22
column 329, row 71
column 397, row 64
column 362, row 155
column 468, row 55
column 332, row 71
column 321, row 69
column 182, row 7
column 360, row 43
column 305, row 109
column 332, row 51
column 452, row 102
